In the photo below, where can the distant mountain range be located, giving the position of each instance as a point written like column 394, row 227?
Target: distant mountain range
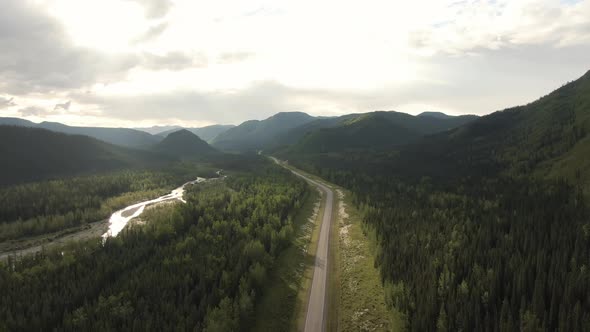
column 352, row 131
column 291, row 132
column 372, row 131
column 294, row 130
column 140, row 138
column 119, row 136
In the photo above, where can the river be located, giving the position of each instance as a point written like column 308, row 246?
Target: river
column 119, row 219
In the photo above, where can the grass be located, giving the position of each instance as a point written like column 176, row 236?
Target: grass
column 282, row 306
column 361, row 297
column 333, row 290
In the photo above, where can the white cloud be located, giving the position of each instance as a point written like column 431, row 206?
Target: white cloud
column 205, row 61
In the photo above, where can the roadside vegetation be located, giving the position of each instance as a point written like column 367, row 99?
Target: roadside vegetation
column 282, row 303
column 361, row 293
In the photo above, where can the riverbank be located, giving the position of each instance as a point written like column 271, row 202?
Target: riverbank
column 107, row 227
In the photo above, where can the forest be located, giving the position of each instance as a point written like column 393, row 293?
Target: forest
column 472, row 253
column 196, row 266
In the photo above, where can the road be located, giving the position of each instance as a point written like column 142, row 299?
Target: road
column 315, row 319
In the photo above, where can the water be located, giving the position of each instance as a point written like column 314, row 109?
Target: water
column 119, row 219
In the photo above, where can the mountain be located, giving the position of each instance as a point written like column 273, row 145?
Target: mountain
column 372, row 131
column 207, row 133
column 30, row 154
column 439, row 115
column 257, row 135
column 158, row 130
column 548, row 137
column 294, row 135
column 184, row 144
column 119, row 136
column 17, row 122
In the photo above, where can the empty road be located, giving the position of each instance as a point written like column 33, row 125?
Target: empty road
column 315, row 320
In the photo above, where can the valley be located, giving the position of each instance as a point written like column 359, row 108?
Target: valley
column 295, row 166
column 375, row 221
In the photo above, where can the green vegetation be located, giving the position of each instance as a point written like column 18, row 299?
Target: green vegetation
column 278, row 308
column 361, row 302
column 50, row 206
column 484, row 227
column 197, row 266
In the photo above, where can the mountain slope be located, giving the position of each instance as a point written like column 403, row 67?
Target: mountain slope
column 547, row 137
column 184, row 144
column 33, row 154
column 256, row 135
column 119, row 136
column 375, row 130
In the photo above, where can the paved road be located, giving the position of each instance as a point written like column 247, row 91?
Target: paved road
column 315, row 320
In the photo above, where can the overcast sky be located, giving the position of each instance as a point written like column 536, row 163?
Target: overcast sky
column 154, row 62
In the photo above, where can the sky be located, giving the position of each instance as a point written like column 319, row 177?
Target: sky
column 138, row 63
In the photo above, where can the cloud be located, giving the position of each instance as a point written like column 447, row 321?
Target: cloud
column 65, row 106
column 233, row 57
column 155, row 8
column 473, row 56
column 37, row 56
column 34, row 111
column 467, row 26
column 173, row 61
column 152, row 33
column 6, row 102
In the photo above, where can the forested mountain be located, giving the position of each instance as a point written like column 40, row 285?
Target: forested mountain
column 375, row 130
column 207, row 133
column 294, row 135
column 118, row 136
column 184, row 144
column 256, row 135
column 33, row 154
column 545, row 137
column 484, row 227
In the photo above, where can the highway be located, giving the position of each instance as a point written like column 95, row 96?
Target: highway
column 315, row 320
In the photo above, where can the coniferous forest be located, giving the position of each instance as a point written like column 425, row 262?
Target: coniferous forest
column 507, row 254
column 200, row 265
